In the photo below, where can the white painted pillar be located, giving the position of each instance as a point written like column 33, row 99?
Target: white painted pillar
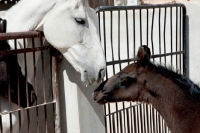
column 79, row 112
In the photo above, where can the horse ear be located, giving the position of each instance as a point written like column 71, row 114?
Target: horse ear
column 143, row 55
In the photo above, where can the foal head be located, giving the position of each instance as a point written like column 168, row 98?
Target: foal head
column 127, row 84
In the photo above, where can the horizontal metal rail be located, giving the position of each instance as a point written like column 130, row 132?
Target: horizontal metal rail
column 20, row 35
column 135, row 59
column 116, row 8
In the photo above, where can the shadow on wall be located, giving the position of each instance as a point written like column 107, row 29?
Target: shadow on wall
column 70, row 85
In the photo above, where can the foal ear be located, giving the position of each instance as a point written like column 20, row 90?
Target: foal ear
column 143, row 54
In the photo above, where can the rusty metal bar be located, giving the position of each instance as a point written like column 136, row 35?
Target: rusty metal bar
column 20, row 35
column 25, row 50
column 54, row 55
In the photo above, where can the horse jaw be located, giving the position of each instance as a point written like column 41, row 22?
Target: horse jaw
column 79, row 43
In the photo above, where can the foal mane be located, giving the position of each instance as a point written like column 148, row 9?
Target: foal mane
column 189, row 88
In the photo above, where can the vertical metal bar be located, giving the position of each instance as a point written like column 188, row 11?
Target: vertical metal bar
column 180, row 37
column 153, row 116
column 104, row 31
column 105, row 120
column 25, row 63
column 127, row 35
column 18, row 91
column 27, row 95
column 28, row 120
column 144, row 117
column 17, row 69
column 119, row 39
column 35, row 85
column 184, row 41
column 171, row 35
column 134, row 34
column 164, row 35
column 152, row 45
column 45, row 118
column 9, row 91
column 56, row 111
column 1, row 126
column 111, row 38
column 140, row 27
column 131, row 117
column 141, row 118
column 112, row 48
column 127, row 118
column 43, row 73
column 120, row 119
column 134, row 119
column 123, row 105
column 138, row 119
column 159, row 31
column 176, row 36
column 113, row 120
column 98, row 14
column 147, row 27
column 147, row 118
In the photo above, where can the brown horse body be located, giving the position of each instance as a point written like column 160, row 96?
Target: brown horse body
column 174, row 96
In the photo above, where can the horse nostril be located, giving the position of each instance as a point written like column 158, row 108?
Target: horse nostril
column 101, row 74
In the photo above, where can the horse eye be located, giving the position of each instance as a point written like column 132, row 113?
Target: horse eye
column 80, row 21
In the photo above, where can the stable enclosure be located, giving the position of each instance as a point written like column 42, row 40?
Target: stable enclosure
column 123, row 30
column 41, row 116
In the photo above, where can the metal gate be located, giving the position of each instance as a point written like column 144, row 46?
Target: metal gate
column 41, row 116
column 122, row 31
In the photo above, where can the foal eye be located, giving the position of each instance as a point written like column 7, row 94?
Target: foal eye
column 79, row 20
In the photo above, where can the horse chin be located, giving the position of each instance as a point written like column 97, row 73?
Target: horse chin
column 89, row 76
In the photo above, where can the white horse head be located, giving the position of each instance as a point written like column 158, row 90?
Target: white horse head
column 71, row 26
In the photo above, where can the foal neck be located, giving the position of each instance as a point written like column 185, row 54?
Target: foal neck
column 175, row 106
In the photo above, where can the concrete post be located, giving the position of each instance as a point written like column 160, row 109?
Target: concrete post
column 79, row 112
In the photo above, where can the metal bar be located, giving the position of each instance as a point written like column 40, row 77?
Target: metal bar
column 184, row 41
column 113, row 120
column 147, row 27
column 180, row 41
column 25, row 50
column 140, row 27
column 34, row 106
column 152, row 24
column 171, row 33
column 120, row 67
column 176, row 36
column 134, row 34
column 56, row 108
column 135, row 59
column 159, row 31
column 104, row 35
column 43, row 72
column 20, row 35
column 127, row 119
column 105, row 120
column 127, row 35
column 164, row 35
column 117, row 8
column 111, row 37
column 120, row 120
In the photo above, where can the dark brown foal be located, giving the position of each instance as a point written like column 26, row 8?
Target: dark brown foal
column 174, row 96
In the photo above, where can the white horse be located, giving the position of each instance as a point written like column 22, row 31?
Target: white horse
column 70, row 26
